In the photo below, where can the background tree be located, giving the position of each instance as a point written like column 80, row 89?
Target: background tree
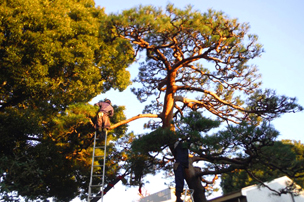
column 201, row 62
column 286, row 153
column 53, row 54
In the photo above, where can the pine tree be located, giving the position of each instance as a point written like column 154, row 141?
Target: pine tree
column 199, row 62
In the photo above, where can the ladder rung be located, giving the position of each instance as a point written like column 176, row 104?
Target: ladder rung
column 99, row 147
column 97, row 165
column 98, row 156
column 99, row 143
column 97, row 196
column 96, row 185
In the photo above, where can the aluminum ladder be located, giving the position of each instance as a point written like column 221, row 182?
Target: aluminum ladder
column 99, row 195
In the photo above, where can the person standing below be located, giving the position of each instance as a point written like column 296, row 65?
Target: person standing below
column 181, row 162
column 103, row 121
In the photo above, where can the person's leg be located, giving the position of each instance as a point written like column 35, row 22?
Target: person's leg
column 99, row 125
column 106, row 122
column 179, row 182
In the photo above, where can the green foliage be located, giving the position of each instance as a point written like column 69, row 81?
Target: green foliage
column 155, row 141
column 61, row 158
column 267, row 104
column 175, row 39
column 16, row 126
column 200, row 62
column 38, row 166
column 196, row 122
column 147, row 151
column 282, row 158
column 205, row 54
column 55, row 56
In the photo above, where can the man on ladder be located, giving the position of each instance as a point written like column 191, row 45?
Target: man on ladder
column 103, row 121
column 102, row 125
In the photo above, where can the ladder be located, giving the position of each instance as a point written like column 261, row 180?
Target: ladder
column 99, row 195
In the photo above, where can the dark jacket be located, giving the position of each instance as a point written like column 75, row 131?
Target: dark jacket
column 181, row 153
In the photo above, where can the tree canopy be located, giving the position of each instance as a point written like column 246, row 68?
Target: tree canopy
column 286, row 154
column 197, row 72
column 198, row 65
column 54, row 58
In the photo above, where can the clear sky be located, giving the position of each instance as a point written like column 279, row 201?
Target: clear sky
column 280, row 27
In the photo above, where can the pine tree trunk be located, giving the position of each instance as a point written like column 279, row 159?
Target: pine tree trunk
column 194, row 182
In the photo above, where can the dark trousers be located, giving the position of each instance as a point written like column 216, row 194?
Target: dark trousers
column 179, row 174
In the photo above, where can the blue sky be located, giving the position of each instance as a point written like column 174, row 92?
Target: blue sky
column 280, row 27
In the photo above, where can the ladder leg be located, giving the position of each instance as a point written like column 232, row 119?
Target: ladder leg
column 104, row 165
column 92, row 166
column 90, row 194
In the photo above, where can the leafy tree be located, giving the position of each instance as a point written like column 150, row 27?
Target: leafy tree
column 57, row 55
column 286, row 153
column 198, row 62
column 54, row 57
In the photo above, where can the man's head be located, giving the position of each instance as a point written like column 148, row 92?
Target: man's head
column 107, row 101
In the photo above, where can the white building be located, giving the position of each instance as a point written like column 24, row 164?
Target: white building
column 255, row 193
column 252, row 193
column 166, row 195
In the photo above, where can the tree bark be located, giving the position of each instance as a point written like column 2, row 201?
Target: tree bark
column 192, row 178
column 194, row 182
column 132, row 119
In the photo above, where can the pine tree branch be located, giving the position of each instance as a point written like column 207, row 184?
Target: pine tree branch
column 262, row 183
column 191, row 103
column 133, row 118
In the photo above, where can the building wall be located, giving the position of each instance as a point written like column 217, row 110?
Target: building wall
column 165, row 195
column 258, row 194
column 261, row 194
column 247, row 194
